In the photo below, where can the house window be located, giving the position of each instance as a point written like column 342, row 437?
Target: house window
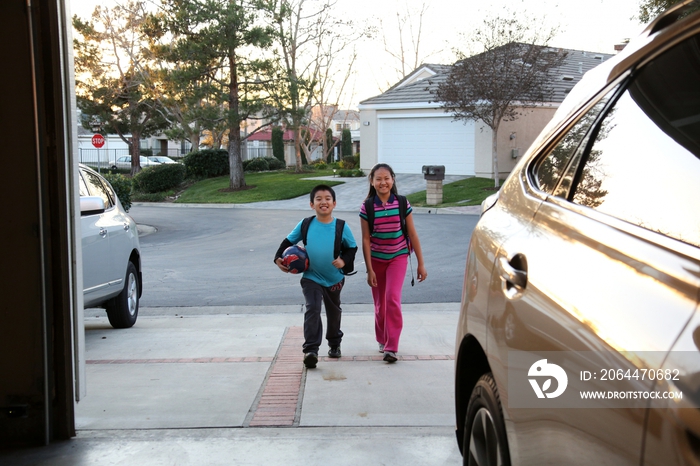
column 338, row 126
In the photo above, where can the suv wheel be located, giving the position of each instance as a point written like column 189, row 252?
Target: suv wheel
column 485, row 442
column 124, row 308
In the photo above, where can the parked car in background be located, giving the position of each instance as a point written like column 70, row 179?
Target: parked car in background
column 111, row 251
column 124, row 162
column 161, row 159
column 583, row 275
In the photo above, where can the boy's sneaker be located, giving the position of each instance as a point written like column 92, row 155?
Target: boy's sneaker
column 381, row 348
column 334, row 352
column 390, row 356
column 310, row 360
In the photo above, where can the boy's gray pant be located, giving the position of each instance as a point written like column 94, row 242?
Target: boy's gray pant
column 314, row 294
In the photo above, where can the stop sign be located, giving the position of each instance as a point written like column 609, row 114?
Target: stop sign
column 98, row 140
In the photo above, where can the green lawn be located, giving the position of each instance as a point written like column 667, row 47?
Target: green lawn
column 267, row 186
column 469, row 191
column 273, row 186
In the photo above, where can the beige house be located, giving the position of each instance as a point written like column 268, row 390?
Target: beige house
column 405, row 128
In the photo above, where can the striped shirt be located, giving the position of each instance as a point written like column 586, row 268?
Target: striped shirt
column 387, row 240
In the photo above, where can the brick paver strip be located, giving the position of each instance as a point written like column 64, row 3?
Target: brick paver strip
column 278, row 403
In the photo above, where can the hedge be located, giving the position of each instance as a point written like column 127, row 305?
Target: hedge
column 160, row 177
column 207, row 163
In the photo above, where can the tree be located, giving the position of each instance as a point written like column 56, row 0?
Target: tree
column 328, row 143
column 650, row 9
column 218, row 44
column 513, row 71
column 406, row 54
column 308, row 39
column 116, row 83
column 346, row 143
column 278, row 143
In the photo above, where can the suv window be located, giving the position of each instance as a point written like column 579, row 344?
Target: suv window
column 644, row 164
column 97, row 188
column 550, row 169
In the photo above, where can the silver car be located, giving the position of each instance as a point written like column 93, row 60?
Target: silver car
column 161, row 159
column 124, row 162
column 111, row 252
column 579, row 333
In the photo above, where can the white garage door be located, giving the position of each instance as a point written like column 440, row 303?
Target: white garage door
column 409, row 143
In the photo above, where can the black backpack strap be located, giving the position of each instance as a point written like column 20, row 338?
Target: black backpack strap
column 305, row 228
column 369, row 210
column 337, row 245
column 345, row 253
column 403, row 207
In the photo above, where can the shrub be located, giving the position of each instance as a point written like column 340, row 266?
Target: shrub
column 207, row 163
column 350, row 173
column 122, row 186
column 348, row 162
column 160, row 177
column 257, row 165
column 319, row 164
column 275, row 163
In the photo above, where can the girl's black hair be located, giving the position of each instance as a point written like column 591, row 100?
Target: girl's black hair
column 372, row 191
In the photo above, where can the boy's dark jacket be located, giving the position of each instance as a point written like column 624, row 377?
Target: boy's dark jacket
column 347, row 254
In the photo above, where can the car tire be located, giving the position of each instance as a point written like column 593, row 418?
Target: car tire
column 123, row 309
column 485, row 441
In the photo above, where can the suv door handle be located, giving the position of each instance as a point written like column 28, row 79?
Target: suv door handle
column 513, row 275
column 126, row 226
column 103, row 232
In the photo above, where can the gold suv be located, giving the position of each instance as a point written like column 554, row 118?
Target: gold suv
column 579, row 332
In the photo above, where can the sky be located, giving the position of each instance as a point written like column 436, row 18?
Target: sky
column 590, row 25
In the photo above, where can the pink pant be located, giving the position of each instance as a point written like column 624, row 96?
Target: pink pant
column 388, row 321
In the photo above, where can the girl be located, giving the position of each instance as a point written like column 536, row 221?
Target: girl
column 386, row 251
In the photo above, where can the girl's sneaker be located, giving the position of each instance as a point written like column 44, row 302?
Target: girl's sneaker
column 390, row 357
column 381, row 348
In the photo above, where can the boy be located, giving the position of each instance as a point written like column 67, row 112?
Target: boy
column 323, row 280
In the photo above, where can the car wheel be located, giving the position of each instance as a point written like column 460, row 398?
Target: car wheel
column 124, row 308
column 485, row 442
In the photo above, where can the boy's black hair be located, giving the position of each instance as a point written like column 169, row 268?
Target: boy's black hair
column 321, row 187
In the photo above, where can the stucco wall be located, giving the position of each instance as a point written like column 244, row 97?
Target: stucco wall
column 369, row 139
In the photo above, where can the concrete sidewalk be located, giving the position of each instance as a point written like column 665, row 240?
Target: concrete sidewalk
column 230, row 388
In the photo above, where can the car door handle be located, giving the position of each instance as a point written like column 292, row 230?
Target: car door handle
column 513, row 275
column 103, row 232
column 126, row 226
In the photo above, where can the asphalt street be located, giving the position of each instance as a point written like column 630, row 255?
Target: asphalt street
column 221, row 255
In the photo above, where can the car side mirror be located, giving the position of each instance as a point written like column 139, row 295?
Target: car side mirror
column 91, row 205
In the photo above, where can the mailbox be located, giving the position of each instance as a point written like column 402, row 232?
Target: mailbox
column 434, row 172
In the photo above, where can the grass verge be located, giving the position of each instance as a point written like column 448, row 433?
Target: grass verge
column 469, row 191
column 265, row 186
